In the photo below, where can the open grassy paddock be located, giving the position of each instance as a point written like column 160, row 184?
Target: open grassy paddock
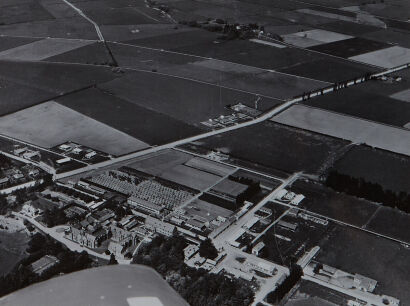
column 60, row 128
column 14, row 96
column 54, row 77
column 392, row 223
column 365, row 104
column 188, row 101
column 338, row 206
column 390, row 170
column 276, row 146
column 150, row 126
column 346, row 127
column 73, row 27
column 356, row 251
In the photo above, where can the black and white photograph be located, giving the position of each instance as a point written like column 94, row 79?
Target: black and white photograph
column 204, row 152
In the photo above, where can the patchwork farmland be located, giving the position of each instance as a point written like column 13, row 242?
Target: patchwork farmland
column 261, row 147
column 349, row 128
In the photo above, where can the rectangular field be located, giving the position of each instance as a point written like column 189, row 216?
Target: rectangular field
column 392, row 171
column 14, row 97
column 143, row 123
column 55, row 77
column 209, row 166
column 314, row 37
column 50, row 124
column 329, row 70
column 392, row 223
column 159, row 162
column 230, row 188
column 276, row 146
column 184, row 100
column 386, row 58
column 9, row 42
column 326, row 202
column 190, row 177
column 42, row 49
column 350, row 47
column 364, row 103
column 345, row 127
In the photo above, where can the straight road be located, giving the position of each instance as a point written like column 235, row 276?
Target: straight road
column 263, row 117
column 80, row 12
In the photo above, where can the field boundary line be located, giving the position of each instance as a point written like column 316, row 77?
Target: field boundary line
column 216, row 59
column 81, row 13
column 265, row 116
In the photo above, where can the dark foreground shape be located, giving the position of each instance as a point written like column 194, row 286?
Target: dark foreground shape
column 128, row 285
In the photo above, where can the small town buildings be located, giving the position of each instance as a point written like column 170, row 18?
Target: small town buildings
column 146, row 206
column 90, row 154
column 159, row 226
column 258, row 248
column 190, row 251
column 91, row 236
column 4, row 181
column 297, row 199
column 62, row 161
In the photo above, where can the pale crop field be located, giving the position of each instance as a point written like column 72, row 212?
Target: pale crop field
column 49, row 124
column 346, row 127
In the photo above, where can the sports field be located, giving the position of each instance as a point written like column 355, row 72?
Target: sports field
column 50, row 124
column 42, row 49
column 345, row 127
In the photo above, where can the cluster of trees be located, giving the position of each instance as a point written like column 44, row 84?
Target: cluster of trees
column 55, row 216
column 371, row 191
column 276, row 296
column 40, row 245
column 5, row 162
column 207, row 249
column 196, row 286
column 118, row 208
